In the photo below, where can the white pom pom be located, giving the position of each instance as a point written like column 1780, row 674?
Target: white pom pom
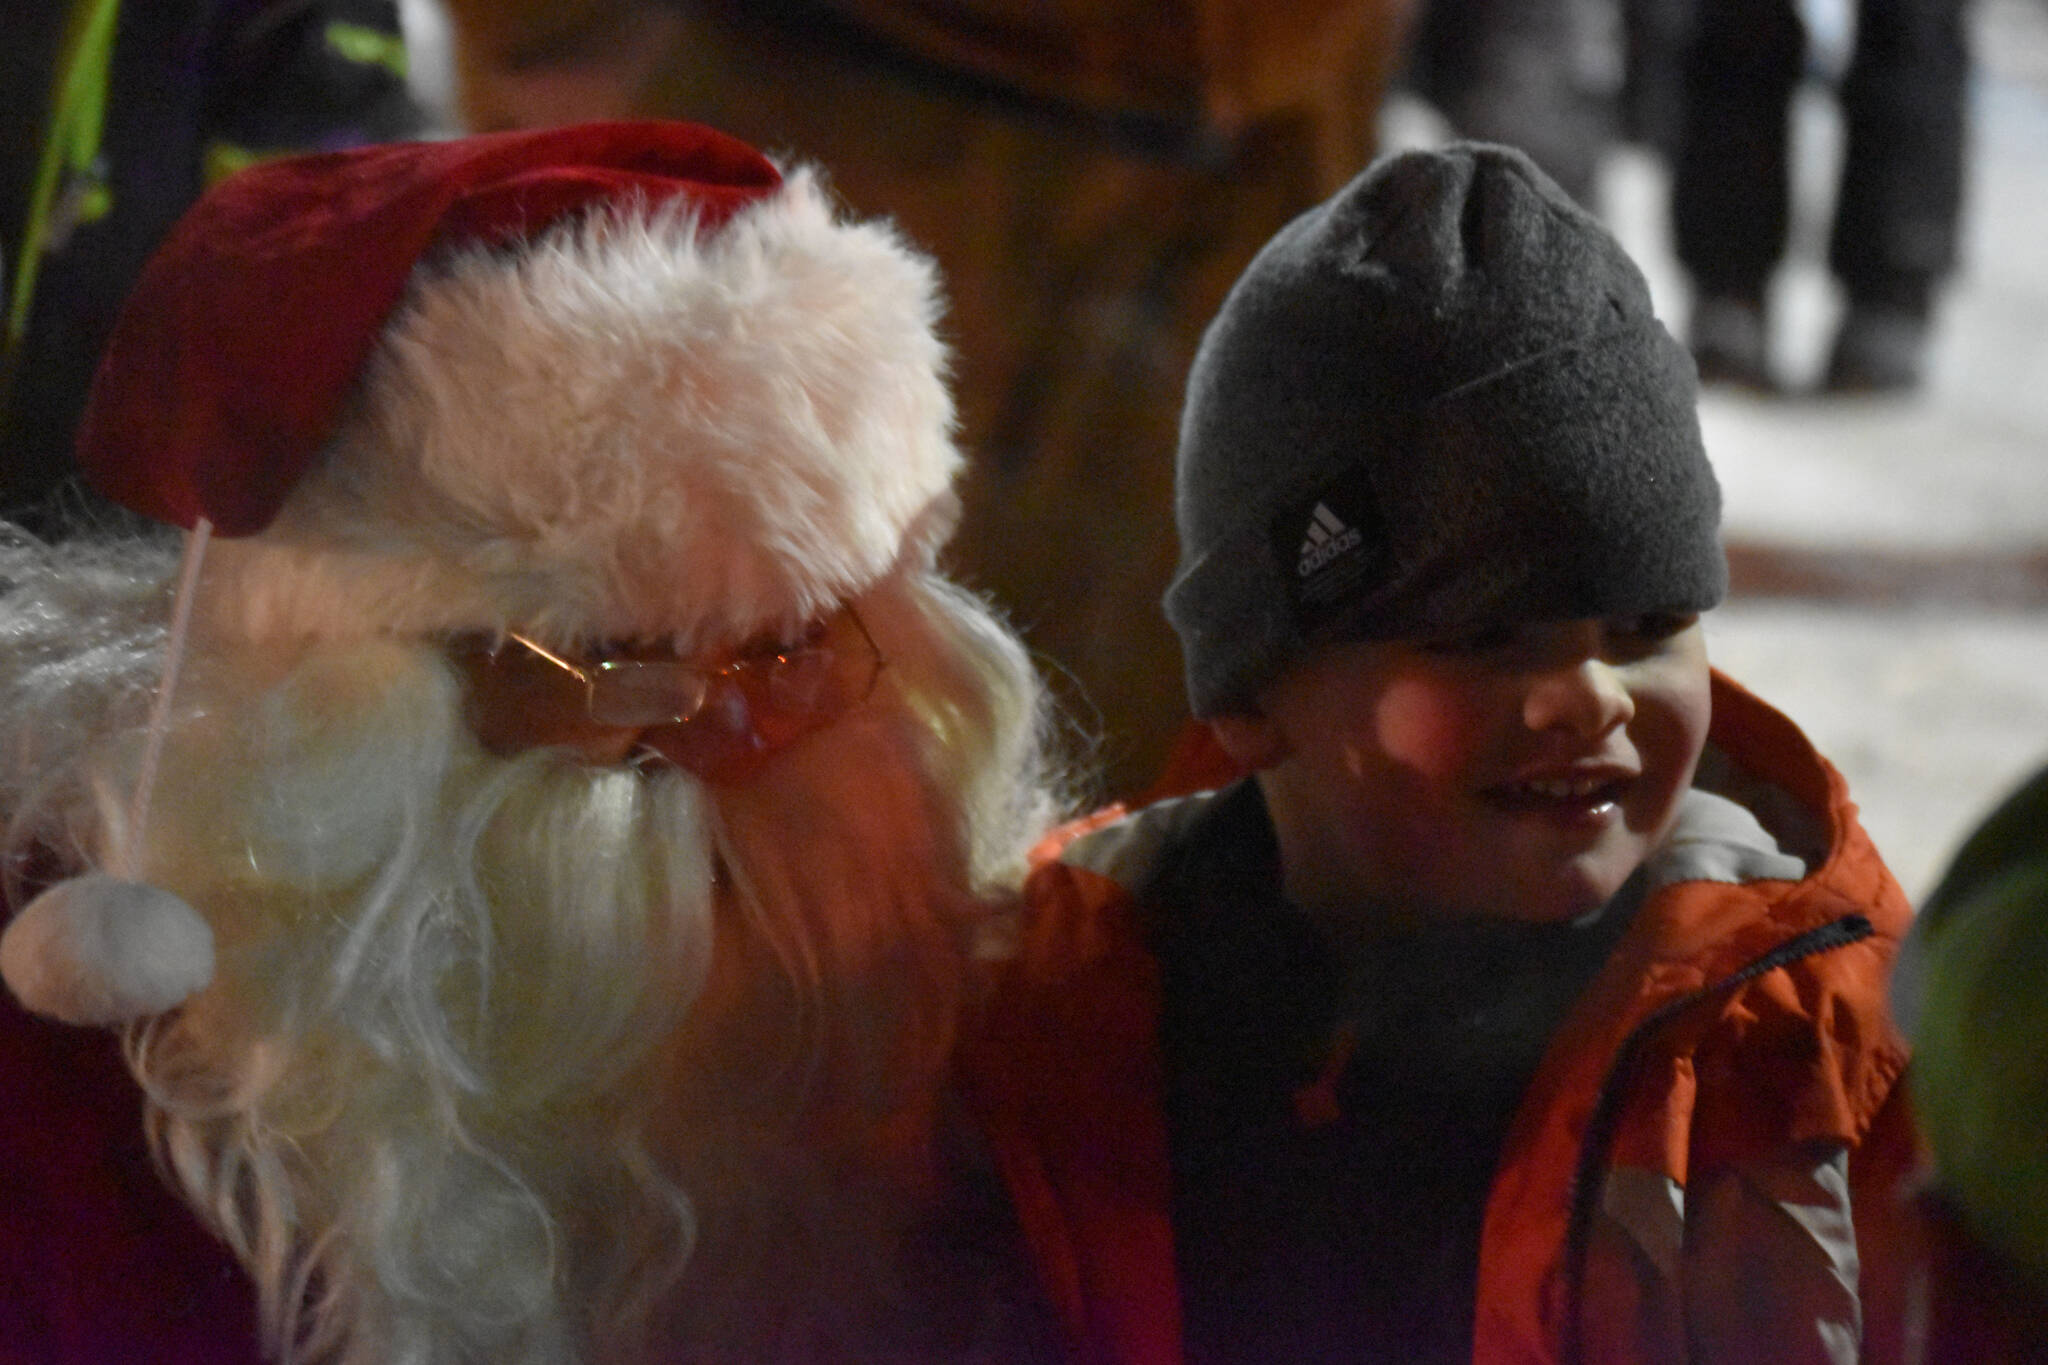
column 99, row 950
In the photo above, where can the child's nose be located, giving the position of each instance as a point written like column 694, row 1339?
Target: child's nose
column 1586, row 696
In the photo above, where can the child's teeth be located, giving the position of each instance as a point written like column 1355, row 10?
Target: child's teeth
column 1562, row 789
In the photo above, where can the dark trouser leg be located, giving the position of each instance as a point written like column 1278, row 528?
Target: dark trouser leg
column 1656, row 36
column 1730, row 194
column 1903, row 104
column 1541, row 75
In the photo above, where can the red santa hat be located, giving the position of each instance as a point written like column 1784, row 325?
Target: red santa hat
column 611, row 380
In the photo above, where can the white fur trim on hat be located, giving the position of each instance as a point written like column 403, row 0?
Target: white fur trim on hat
column 624, row 428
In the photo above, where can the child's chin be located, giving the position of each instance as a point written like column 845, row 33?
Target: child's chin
column 1579, row 890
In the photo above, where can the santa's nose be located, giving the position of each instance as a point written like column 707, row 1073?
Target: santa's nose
column 720, row 743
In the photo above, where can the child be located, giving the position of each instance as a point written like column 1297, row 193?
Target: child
column 1526, row 1001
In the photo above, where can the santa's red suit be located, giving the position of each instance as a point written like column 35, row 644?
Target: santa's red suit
column 101, row 1261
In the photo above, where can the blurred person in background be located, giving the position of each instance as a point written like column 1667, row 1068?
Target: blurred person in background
column 1541, row 75
column 1896, row 211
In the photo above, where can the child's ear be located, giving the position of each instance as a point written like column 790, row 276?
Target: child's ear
column 1251, row 739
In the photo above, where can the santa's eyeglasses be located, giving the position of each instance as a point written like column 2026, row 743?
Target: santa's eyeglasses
column 717, row 717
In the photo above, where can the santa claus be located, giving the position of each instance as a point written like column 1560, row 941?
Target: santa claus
column 535, row 916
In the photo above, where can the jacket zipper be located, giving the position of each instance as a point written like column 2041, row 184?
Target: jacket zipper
column 1588, row 1179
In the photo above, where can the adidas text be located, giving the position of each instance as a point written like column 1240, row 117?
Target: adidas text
column 1314, row 556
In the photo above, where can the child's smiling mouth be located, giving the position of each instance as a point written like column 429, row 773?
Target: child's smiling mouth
column 1580, row 797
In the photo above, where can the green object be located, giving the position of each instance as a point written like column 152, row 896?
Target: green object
column 368, row 46
column 223, row 158
column 70, row 187
column 2016, row 832
column 1979, row 1079
column 66, row 177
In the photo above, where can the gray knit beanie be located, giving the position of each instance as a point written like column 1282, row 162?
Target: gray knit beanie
column 1439, row 399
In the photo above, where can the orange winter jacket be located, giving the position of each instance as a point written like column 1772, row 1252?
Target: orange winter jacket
column 1677, row 1182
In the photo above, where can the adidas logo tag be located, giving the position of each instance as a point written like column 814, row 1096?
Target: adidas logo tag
column 1328, row 537
column 1328, row 548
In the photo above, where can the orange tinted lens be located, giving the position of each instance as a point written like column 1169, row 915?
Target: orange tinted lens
column 762, row 703
column 718, row 723
column 515, row 700
column 631, row 694
column 814, row 682
column 802, row 683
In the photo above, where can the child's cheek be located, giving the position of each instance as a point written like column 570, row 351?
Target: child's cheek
column 1423, row 725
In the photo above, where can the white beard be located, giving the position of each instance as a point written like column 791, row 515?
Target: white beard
column 526, row 1061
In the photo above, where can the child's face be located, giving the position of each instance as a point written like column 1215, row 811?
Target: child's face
column 1522, row 772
